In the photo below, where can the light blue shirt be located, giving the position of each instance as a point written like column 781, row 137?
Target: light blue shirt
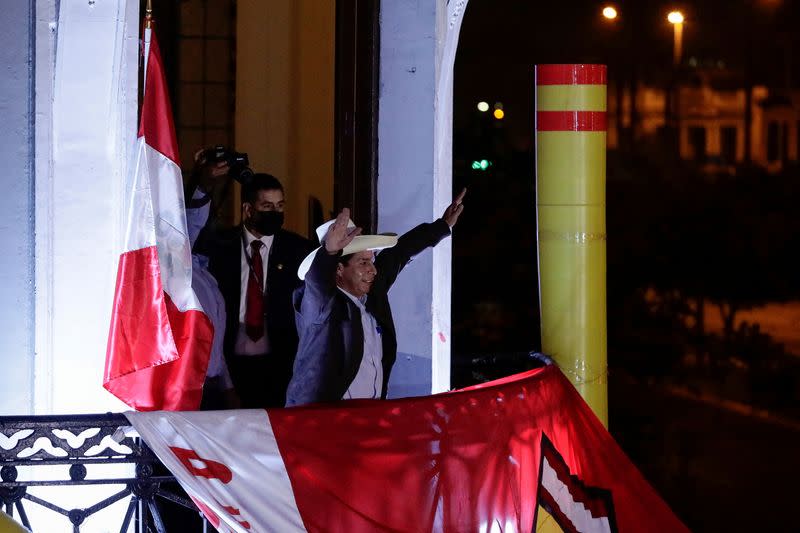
column 368, row 382
column 208, row 294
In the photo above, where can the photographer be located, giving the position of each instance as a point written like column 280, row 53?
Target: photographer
column 254, row 265
column 218, row 392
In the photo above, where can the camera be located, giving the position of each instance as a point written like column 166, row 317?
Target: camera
column 238, row 162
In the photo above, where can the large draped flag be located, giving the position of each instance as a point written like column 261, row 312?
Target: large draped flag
column 483, row 459
column 160, row 339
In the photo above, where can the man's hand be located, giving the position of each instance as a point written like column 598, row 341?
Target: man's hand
column 339, row 235
column 454, row 210
column 206, row 174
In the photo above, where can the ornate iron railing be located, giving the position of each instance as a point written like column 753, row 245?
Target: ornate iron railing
column 32, row 445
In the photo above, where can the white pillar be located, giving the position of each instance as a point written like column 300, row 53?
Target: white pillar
column 16, row 209
column 418, row 42
column 46, row 27
column 86, row 125
column 71, row 120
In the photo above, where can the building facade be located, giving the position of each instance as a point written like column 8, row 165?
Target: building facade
column 712, row 121
column 259, row 76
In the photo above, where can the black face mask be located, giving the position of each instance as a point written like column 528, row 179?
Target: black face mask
column 267, row 222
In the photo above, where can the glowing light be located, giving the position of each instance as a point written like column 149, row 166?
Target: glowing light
column 675, row 17
column 609, row 12
column 483, row 164
column 499, row 114
column 483, row 107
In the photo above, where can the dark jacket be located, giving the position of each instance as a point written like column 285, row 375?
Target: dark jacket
column 331, row 336
column 285, row 255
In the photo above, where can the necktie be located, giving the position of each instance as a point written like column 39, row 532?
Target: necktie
column 254, row 310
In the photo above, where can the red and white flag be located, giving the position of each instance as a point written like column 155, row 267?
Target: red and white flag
column 160, row 339
column 484, row 459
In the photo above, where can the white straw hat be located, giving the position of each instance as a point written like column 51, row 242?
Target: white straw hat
column 360, row 243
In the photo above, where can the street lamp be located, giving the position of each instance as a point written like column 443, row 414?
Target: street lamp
column 676, row 19
column 616, row 62
column 609, row 12
column 673, row 106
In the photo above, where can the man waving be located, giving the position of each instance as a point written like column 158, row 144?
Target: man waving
column 348, row 342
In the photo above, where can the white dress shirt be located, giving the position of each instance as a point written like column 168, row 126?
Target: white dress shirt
column 244, row 344
column 368, row 382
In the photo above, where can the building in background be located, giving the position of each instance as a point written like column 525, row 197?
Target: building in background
column 712, row 121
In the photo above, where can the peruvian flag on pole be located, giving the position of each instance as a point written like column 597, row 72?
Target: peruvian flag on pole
column 160, row 339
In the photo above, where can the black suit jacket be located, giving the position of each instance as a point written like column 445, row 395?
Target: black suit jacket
column 331, row 336
column 285, row 255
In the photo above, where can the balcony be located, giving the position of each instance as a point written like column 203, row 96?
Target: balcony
column 66, row 452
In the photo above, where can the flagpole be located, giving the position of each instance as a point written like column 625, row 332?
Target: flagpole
column 148, row 28
column 145, row 366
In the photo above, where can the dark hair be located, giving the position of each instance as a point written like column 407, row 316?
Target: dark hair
column 345, row 259
column 259, row 182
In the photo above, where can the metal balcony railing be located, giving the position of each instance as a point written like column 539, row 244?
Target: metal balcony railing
column 31, row 446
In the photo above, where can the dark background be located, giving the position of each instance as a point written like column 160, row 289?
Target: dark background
column 710, row 415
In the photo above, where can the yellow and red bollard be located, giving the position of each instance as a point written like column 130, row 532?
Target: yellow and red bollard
column 571, row 202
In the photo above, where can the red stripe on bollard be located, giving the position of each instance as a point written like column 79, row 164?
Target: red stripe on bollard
column 571, row 121
column 570, row 75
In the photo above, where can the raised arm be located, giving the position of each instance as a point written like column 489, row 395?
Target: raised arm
column 391, row 262
column 198, row 192
column 455, row 209
column 320, row 280
column 339, row 235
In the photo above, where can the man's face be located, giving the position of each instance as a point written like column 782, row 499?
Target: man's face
column 357, row 276
column 266, row 200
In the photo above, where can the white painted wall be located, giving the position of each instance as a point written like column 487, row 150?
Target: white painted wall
column 16, row 209
column 418, row 43
column 86, row 126
column 68, row 102
column 45, row 53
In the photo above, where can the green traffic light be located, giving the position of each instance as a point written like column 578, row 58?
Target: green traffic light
column 483, row 164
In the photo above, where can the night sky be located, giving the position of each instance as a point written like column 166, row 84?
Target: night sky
column 501, row 40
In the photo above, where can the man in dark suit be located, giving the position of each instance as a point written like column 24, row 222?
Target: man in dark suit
column 348, row 342
column 255, row 266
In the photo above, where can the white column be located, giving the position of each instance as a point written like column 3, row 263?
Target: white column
column 418, row 42
column 85, row 103
column 86, row 126
column 16, row 209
